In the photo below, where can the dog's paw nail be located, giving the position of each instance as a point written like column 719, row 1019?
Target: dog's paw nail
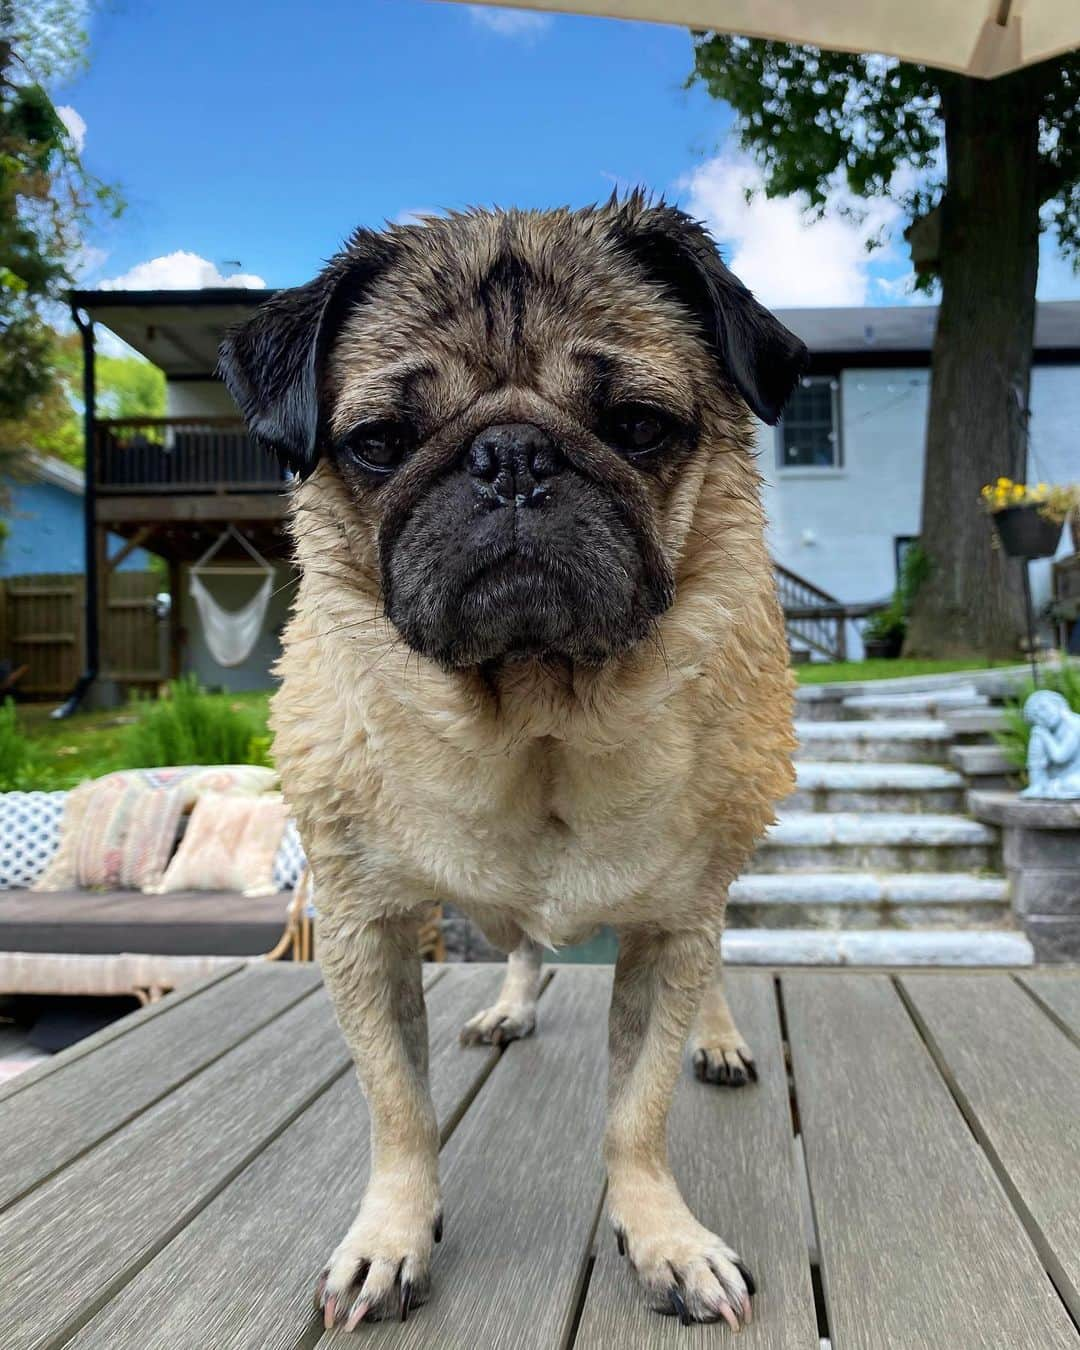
column 406, row 1299
column 678, row 1304
column 620, row 1241
column 320, row 1289
column 360, row 1310
column 748, row 1279
column 329, row 1312
column 436, row 1231
column 728, row 1314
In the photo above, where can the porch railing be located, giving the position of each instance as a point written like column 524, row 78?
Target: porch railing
column 185, row 454
column 816, row 619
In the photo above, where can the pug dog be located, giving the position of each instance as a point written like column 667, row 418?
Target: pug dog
column 536, row 666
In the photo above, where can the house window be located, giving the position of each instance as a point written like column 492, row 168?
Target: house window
column 901, row 544
column 810, row 430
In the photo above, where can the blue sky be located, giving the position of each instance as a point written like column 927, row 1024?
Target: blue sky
column 262, row 133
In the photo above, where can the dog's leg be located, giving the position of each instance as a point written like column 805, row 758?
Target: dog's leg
column 686, row 1270
column 719, row 1052
column 513, row 1014
column 380, row 1268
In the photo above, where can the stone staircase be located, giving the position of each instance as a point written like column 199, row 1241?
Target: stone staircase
column 873, row 860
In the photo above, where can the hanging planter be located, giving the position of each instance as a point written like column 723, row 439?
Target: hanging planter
column 1028, row 520
column 1026, row 533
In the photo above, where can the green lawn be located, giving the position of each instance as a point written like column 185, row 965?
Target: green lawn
column 90, row 744
column 825, row 672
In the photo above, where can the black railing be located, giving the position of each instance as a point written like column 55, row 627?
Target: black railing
column 170, row 454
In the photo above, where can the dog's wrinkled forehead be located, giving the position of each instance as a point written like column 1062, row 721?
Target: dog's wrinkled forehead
column 496, row 294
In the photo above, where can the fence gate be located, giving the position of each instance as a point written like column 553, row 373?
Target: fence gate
column 42, row 628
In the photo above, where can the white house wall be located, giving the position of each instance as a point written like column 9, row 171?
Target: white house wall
column 837, row 527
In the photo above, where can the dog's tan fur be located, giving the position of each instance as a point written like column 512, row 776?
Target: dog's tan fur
column 544, row 799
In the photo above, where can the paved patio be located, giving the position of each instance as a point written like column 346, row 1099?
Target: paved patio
column 179, row 1179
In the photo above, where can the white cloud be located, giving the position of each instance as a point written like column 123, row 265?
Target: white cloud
column 76, row 127
column 786, row 256
column 179, row 271
column 510, row 23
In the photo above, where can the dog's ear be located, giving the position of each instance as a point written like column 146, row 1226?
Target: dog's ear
column 755, row 351
column 272, row 363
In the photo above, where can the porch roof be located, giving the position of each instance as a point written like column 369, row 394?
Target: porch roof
column 180, row 331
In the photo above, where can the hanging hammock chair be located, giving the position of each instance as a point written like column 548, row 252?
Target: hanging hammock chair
column 231, row 634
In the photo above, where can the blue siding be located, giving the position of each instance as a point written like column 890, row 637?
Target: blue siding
column 45, row 524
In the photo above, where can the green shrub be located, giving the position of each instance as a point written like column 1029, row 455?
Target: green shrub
column 892, row 621
column 191, row 726
column 16, row 753
column 1014, row 739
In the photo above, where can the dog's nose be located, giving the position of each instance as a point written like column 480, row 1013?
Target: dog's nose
column 511, row 463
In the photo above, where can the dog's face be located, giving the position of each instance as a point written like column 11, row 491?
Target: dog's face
column 506, row 404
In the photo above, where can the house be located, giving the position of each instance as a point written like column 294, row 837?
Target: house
column 43, row 515
column 843, row 471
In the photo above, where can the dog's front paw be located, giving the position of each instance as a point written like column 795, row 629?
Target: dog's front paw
column 499, row 1024
column 687, row 1272
column 724, row 1059
column 381, row 1268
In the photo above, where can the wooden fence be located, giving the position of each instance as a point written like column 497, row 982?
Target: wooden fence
column 42, row 626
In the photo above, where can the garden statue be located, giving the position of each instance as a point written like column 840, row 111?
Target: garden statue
column 1053, row 757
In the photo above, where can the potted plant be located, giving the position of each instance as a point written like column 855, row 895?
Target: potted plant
column 1028, row 519
column 883, row 636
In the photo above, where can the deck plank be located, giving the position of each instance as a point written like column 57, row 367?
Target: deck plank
column 919, row 1245
column 522, row 1185
column 1061, row 994
column 732, row 1154
column 86, row 1231
column 52, row 1063
column 1017, row 1078
column 139, row 1069
column 241, row 1274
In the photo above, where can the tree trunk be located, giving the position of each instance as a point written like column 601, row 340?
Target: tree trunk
column 971, row 603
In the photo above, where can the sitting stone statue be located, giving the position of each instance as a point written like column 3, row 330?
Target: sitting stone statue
column 1053, row 757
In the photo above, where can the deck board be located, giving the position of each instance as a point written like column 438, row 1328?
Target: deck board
column 54, row 1063
column 1017, row 1077
column 243, row 1271
column 1060, row 992
column 522, row 1185
column 193, row 1166
column 139, row 1070
column 919, row 1246
column 732, row 1154
column 103, row 1217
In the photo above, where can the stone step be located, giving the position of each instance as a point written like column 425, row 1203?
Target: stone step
column 983, row 766
column 929, row 703
column 867, row 900
column 857, row 947
column 825, row 785
column 975, row 722
column 883, row 841
column 895, row 741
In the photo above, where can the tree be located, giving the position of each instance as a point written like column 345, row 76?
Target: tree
column 980, row 167
column 51, row 424
column 46, row 199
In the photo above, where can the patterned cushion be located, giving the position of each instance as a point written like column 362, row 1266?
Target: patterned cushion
column 290, row 860
column 229, row 845
column 113, row 835
column 29, row 835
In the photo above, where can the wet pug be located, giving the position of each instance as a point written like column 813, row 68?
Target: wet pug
column 536, row 666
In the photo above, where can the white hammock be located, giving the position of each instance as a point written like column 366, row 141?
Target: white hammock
column 231, row 634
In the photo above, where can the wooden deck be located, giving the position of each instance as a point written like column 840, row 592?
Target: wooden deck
column 179, row 1179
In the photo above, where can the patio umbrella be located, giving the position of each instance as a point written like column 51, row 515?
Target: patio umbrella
column 975, row 37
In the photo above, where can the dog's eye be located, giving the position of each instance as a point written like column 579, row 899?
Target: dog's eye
column 378, row 447
column 635, row 428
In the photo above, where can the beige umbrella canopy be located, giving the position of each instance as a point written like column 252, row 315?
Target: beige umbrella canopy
column 975, row 37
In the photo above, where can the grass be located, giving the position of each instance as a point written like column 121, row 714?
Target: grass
column 825, row 672
column 90, row 744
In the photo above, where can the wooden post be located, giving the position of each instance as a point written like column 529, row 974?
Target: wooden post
column 174, row 620
column 101, row 576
